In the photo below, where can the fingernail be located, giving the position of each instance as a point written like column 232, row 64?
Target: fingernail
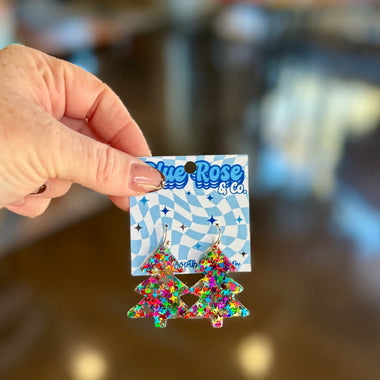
column 18, row 203
column 145, row 179
column 40, row 190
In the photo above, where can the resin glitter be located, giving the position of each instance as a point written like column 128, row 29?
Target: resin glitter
column 216, row 290
column 161, row 291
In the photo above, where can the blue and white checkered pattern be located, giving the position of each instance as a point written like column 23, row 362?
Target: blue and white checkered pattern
column 191, row 214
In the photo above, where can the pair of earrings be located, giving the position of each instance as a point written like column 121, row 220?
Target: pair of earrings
column 162, row 291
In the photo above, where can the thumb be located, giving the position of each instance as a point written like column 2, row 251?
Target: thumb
column 101, row 167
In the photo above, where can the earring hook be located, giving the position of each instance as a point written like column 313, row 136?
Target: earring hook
column 166, row 242
column 220, row 234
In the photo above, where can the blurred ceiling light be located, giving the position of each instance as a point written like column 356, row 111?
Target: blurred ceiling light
column 88, row 363
column 255, row 355
column 244, row 23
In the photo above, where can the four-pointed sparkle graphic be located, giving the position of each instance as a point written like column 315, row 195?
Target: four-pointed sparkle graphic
column 211, row 220
column 165, row 210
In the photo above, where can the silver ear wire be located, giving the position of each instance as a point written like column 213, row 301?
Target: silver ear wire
column 166, row 242
column 220, row 234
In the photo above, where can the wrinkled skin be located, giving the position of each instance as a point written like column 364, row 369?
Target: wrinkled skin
column 59, row 125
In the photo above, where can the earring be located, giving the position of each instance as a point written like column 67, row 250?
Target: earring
column 216, row 290
column 161, row 291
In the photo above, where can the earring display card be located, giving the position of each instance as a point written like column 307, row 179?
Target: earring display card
column 200, row 192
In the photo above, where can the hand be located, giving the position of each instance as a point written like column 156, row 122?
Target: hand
column 59, row 125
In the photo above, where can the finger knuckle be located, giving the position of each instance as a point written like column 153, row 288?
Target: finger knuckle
column 106, row 163
column 32, row 207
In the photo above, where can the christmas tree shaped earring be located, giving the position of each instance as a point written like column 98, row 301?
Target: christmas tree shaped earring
column 162, row 290
column 216, row 291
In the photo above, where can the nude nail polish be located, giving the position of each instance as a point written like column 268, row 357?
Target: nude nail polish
column 145, row 179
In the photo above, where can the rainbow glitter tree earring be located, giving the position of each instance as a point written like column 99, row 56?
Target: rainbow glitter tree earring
column 161, row 291
column 216, row 291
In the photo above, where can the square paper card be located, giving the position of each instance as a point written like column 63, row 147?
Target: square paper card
column 200, row 192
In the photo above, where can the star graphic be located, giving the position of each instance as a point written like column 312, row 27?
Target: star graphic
column 244, row 253
column 211, row 220
column 144, row 201
column 138, row 228
column 188, row 193
column 210, row 197
column 165, row 210
column 183, row 227
column 239, row 219
column 197, row 246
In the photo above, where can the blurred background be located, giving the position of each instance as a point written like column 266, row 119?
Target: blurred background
column 296, row 85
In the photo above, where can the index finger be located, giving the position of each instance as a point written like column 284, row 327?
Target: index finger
column 89, row 98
